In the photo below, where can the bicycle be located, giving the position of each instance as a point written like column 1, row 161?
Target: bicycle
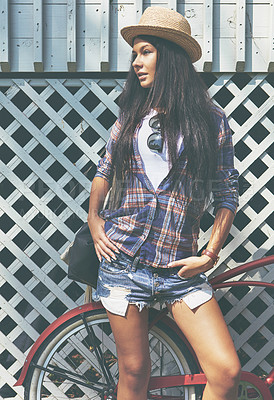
column 75, row 357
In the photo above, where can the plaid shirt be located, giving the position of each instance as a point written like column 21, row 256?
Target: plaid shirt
column 162, row 225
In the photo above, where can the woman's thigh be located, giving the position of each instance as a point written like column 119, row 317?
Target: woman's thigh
column 131, row 337
column 207, row 332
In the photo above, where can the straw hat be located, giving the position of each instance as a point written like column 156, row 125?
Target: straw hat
column 167, row 24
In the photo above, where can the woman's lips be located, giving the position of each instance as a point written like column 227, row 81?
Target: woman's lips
column 142, row 76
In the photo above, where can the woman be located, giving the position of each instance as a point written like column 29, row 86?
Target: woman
column 169, row 150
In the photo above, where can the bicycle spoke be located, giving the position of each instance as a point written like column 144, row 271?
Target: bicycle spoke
column 62, row 373
column 163, row 363
column 77, row 356
column 98, row 352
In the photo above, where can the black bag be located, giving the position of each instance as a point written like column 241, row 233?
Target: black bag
column 80, row 255
column 83, row 263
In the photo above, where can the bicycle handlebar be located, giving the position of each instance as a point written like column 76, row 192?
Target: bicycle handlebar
column 242, row 269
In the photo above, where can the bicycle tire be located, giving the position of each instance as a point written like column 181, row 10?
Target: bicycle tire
column 69, row 347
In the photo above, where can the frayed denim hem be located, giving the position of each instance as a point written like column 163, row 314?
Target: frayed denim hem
column 172, row 301
column 140, row 304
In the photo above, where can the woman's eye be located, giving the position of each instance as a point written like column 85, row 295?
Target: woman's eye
column 146, row 51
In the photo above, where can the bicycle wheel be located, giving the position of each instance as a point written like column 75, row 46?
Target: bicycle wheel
column 78, row 360
column 248, row 391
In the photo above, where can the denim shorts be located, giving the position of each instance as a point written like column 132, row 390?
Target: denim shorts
column 125, row 281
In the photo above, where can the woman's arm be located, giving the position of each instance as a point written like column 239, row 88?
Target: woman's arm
column 103, row 246
column 195, row 265
column 221, row 227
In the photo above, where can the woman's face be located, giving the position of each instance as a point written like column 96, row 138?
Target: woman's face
column 144, row 62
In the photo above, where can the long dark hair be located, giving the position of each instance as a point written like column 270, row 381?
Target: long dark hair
column 187, row 110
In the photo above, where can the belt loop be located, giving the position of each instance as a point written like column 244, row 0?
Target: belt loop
column 135, row 263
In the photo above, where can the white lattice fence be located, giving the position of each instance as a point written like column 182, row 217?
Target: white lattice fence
column 53, row 133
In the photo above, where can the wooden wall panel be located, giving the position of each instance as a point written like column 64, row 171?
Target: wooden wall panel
column 236, row 35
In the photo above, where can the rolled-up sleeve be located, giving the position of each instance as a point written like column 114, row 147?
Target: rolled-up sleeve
column 104, row 165
column 225, row 185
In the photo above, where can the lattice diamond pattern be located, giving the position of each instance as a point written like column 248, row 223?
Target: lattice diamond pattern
column 53, row 133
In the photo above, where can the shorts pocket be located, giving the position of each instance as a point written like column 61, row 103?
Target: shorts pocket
column 181, row 277
column 114, row 267
column 194, row 280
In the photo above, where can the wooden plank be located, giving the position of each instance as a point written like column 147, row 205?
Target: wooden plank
column 21, row 21
column 240, row 35
column 208, row 35
column 226, row 55
column 55, row 17
column 172, row 4
column 38, row 35
column 71, row 36
column 105, row 11
column 139, row 9
column 4, row 42
column 271, row 38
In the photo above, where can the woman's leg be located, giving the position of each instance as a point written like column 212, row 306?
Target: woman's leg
column 131, row 338
column 207, row 332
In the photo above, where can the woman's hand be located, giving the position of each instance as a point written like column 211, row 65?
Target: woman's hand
column 103, row 246
column 192, row 265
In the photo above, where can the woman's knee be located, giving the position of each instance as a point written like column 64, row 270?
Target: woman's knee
column 135, row 370
column 232, row 371
column 227, row 373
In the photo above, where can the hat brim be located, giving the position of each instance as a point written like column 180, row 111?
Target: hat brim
column 187, row 42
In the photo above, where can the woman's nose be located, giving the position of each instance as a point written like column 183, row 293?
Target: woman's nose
column 136, row 62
